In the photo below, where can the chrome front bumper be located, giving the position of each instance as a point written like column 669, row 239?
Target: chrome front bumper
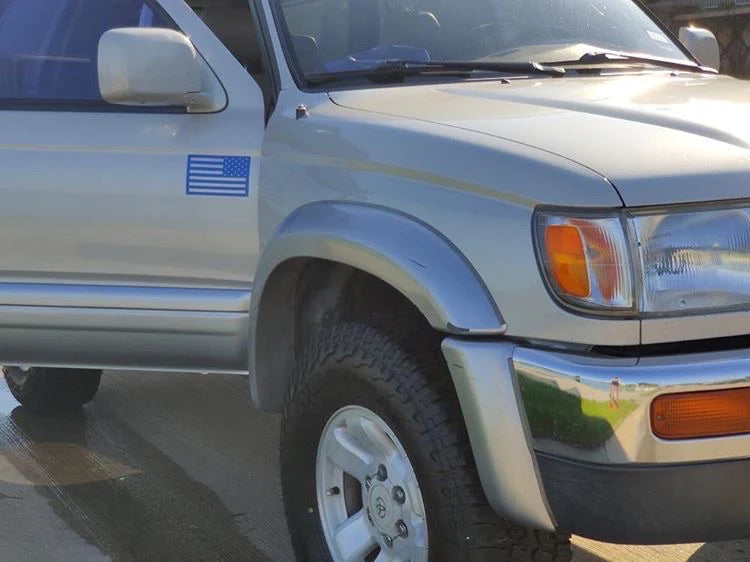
column 558, row 446
column 574, row 410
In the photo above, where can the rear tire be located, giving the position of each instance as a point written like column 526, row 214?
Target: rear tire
column 47, row 390
column 350, row 368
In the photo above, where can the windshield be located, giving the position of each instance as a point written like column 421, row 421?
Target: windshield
column 332, row 36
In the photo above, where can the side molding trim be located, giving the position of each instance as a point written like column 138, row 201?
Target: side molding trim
column 119, row 338
column 131, row 297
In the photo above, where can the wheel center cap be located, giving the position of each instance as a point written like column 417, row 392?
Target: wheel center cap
column 382, row 510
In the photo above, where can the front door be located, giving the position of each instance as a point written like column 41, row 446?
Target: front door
column 128, row 235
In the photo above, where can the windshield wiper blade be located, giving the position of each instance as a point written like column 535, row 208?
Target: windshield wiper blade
column 386, row 72
column 499, row 66
column 609, row 57
column 398, row 70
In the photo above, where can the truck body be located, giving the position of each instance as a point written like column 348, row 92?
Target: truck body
column 546, row 218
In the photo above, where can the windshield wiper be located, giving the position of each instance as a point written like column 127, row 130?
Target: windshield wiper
column 398, row 70
column 609, row 57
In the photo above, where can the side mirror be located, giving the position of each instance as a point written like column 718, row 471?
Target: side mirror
column 703, row 45
column 152, row 67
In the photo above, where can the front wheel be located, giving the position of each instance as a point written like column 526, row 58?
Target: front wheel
column 43, row 390
column 377, row 464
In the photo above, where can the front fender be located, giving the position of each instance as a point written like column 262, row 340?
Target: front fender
column 400, row 250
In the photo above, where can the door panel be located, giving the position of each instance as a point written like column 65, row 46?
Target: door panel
column 102, row 196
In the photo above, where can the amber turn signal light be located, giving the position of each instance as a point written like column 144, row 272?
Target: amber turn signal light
column 567, row 258
column 691, row 415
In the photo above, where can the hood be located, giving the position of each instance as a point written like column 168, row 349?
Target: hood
column 660, row 138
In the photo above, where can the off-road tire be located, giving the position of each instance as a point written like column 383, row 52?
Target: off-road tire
column 356, row 364
column 46, row 390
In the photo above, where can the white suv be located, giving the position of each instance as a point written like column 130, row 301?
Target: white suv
column 490, row 257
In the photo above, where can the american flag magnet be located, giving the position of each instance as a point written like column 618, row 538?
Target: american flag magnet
column 227, row 176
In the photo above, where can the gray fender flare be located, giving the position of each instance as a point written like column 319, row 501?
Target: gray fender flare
column 398, row 249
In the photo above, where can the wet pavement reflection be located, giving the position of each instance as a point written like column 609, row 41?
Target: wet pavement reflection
column 125, row 480
column 167, row 467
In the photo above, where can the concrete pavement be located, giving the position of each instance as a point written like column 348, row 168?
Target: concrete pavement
column 169, row 467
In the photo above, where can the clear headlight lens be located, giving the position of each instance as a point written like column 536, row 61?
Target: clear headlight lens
column 687, row 261
column 694, row 261
column 586, row 260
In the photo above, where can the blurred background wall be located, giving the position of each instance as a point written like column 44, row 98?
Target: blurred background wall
column 728, row 19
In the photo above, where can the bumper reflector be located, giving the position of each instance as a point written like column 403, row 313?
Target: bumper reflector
column 691, row 415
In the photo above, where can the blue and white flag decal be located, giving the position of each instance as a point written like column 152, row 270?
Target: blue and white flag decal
column 227, row 176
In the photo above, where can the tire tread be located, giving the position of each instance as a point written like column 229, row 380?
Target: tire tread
column 415, row 377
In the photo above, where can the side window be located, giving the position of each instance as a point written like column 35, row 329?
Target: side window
column 48, row 48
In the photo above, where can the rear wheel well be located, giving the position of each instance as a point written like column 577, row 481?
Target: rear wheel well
column 302, row 296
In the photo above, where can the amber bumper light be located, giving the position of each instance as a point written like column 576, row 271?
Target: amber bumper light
column 692, row 415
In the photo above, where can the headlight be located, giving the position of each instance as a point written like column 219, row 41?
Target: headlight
column 686, row 261
column 694, row 260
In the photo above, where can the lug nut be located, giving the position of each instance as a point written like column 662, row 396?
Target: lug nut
column 335, row 491
column 402, row 529
column 388, row 541
column 368, row 482
column 369, row 516
column 382, row 473
column 398, row 495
